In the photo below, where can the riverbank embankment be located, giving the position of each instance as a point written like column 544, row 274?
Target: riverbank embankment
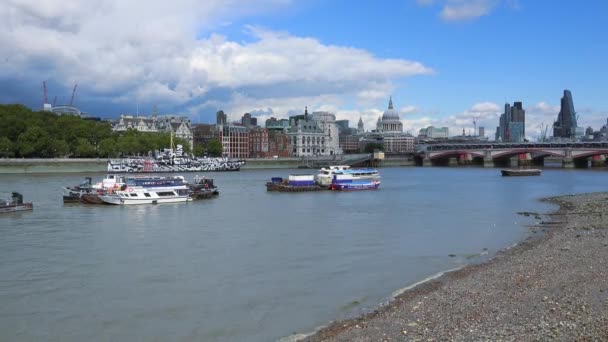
column 553, row 286
column 77, row 165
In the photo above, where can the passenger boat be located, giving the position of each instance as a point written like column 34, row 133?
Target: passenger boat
column 295, row 183
column 15, row 204
column 520, row 172
column 326, row 175
column 349, row 182
column 173, row 159
column 149, row 190
column 202, row 188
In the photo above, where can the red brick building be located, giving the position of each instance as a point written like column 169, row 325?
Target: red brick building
column 266, row 143
column 235, row 141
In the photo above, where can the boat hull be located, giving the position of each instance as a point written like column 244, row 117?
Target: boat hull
column 519, row 173
column 16, row 207
column 91, row 199
column 353, row 186
column 116, row 200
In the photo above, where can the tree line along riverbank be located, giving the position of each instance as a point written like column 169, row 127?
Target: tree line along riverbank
column 28, row 134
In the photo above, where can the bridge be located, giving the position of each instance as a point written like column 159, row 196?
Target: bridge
column 571, row 154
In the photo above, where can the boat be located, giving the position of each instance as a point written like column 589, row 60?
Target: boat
column 149, row 190
column 173, row 160
column 295, row 183
column 202, row 188
column 326, row 175
column 87, row 192
column 520, row 172
column 15, row 204
column 72, row 194
column 344, row 182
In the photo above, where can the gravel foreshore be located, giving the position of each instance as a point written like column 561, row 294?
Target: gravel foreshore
column 553, row 286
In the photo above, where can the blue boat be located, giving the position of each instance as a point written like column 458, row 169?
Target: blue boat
column 347, row 182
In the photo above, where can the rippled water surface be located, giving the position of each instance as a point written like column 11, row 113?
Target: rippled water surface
column 249, row 265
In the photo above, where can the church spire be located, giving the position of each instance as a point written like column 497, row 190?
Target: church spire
column 390, row 103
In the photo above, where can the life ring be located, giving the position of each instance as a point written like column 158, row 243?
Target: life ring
column 129, row 189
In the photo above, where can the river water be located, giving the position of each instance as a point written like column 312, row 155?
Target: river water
column 249, row 265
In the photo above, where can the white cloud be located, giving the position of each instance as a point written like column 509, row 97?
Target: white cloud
column 457, row 10
column 167, row 53
column 463, row 10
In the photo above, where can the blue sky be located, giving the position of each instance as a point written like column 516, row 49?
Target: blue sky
column 445, row 62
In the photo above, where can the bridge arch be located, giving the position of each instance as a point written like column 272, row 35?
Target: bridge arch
column 537, row 152
column 454, row 153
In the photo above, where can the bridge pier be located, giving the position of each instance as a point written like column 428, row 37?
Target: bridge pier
column 453, row 161
column 426, row 161
column 598, row 161
column 568, row 163
column 488, row 162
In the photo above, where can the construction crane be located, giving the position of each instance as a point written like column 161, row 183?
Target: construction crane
column 46, row 99
column 73, row 92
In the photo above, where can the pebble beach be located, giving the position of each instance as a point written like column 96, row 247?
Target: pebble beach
column 552, row 286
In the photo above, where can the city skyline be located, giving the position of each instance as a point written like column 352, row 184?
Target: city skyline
column 445, row 62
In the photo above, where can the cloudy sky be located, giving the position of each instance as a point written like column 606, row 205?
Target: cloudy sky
column 445, row 62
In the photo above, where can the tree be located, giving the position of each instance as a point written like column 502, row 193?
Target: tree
column 84, row 148
column 369, row 148
column 214, row 148
column 6, row 148
column 198, row 150
column 60, row 148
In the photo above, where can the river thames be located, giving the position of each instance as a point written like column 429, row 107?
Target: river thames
column 249, row 265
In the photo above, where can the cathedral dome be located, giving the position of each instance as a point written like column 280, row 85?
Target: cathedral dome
column 390, row 114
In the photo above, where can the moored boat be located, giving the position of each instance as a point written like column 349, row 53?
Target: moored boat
column 326, row 175
column 295, row 183
column 73, row 194
column 346, row 182
column 149, row 190
column 15, row 204
column 520, row 172
column 202, row 188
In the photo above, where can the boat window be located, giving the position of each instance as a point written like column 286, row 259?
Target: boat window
column 133, row 195
column 146, row 194
column 165, row 193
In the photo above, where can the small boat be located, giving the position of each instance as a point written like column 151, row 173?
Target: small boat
column 15, row 204
column 74, row 194
column 520, row 172
column 326, row 175
column 295, row 183
column 202, row 188
column 149, row 190
column 345, row 182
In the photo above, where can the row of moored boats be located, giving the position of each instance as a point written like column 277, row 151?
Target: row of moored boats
column 340, row 177
column 127, row 190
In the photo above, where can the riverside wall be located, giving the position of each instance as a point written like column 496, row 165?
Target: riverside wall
column 75, row 165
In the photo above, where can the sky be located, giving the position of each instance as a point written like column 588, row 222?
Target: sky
column 444, row 62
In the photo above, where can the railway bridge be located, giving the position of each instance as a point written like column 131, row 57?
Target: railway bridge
column 573, row 154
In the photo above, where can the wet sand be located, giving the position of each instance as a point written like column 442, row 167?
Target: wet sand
column 553, row 286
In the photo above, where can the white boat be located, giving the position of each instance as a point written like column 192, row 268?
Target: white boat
column 326, row 175
column 149, row 190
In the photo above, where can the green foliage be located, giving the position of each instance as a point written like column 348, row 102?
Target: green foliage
column 214, row 148
column 198, row 150
column 6, row 148
column 28, row 134
column 369, row 148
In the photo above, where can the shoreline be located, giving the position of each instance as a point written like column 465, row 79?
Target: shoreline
column 531, row 290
